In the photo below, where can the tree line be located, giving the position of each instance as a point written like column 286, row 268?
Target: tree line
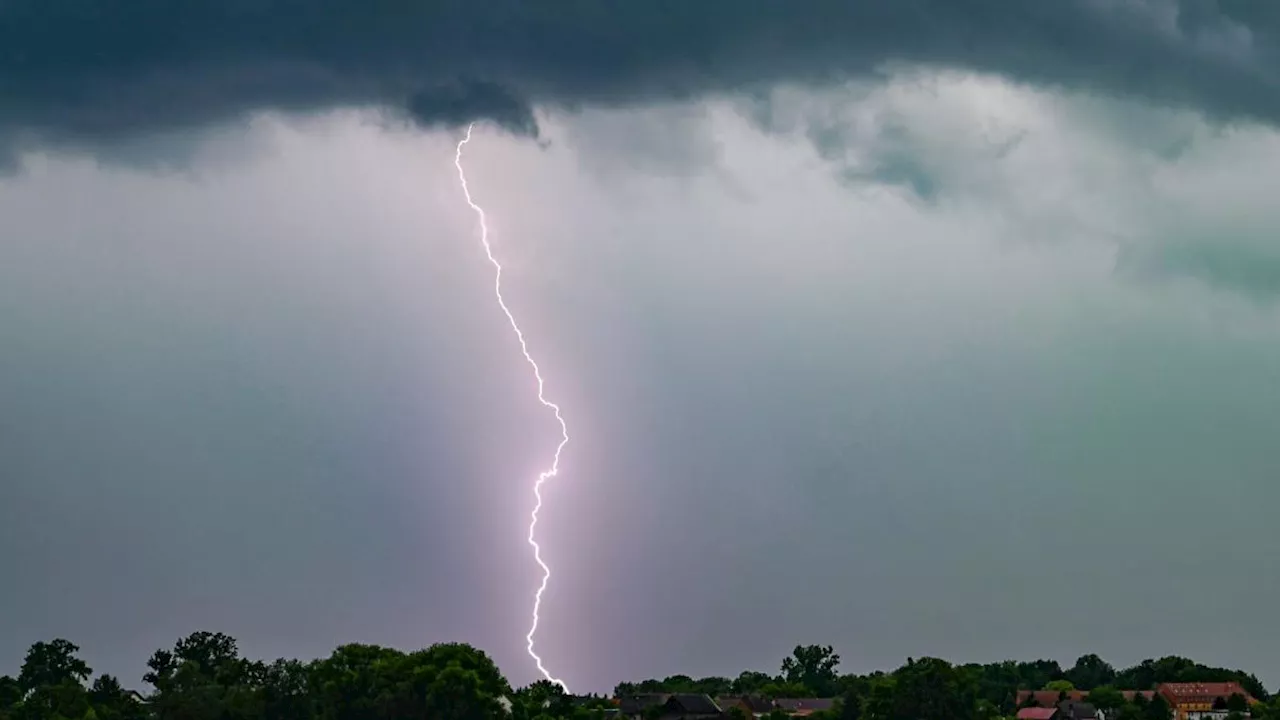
column 204, row 677
column 934, row 689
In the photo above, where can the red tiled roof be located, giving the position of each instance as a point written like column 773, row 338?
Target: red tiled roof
column 1037, row 713
column 1050, row 698
column 1202, row 692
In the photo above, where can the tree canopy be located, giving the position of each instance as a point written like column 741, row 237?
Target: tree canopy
column 204, row 677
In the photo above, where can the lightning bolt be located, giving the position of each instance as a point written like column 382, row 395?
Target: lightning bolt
column 537, row 374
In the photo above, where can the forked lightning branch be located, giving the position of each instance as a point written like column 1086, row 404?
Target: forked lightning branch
column 537, row 374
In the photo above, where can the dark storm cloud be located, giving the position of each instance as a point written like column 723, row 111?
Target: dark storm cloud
column 85, row 73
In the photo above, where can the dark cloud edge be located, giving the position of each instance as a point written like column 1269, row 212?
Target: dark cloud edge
column 87, row 75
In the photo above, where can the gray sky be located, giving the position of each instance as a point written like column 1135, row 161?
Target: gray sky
column 967, row 356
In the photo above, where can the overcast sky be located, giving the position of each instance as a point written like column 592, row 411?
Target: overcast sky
column 932, row 328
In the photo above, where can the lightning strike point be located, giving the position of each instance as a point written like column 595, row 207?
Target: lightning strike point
column 551, row 472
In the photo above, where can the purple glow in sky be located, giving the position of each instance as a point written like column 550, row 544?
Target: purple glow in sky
column 873, row 319
column 537, row 374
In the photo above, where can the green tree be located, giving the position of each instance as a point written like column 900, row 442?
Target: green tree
column 441, row 655
column 1130, row 711
column 204, row 678
column 814, row 667
column 925, row 689
column 1061, row 686
column 786, row 690
column 459, row 693
column 678, row 684
column 10, row 692
column 1237, row 704
column 1157, row 709
column 50, row 684
column 854, row 690
column 65, row 701
column 51, row 664
column 1106, row 697
column 111, row 701
column 1038, row 673
column 998, row 684
column 286, row 691
column 750, row 682
column 713, row 685
column 346, row 685
column 1091, row 671
column 544, row 697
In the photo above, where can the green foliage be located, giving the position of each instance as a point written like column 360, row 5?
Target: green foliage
column 925, row 689
column 366, row 682
column 1106, row 697
column 544, row 698
column 10, row 692
column 65, row 700
column 286, row 691
column 1132, row 710
column 750, row 682
column 782, row 689
column 1089, row 672
column 1149, row 673
column 458, row 693
column 1059, row 686
column 111, row 701
column 1157, row 709
column 204, row 677
column 812, row 667
column 51, row 664
column 50, row 685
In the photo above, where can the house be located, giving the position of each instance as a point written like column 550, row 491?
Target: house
column 1051, row 698
column 1076, row 710
column 1038, row 713
column 750, row 705
column 690, row 706
column 1202, row 701
column 670, row 706
column 800, row 707
column 633, row 706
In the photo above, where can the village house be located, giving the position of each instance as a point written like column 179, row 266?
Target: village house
column 1038, row 713
column 1189, row 701
column 1051, row 698
column 1049, row 707
column 1202, row 701
column 670, row 706
column 1076, row 710
column 750, row 705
